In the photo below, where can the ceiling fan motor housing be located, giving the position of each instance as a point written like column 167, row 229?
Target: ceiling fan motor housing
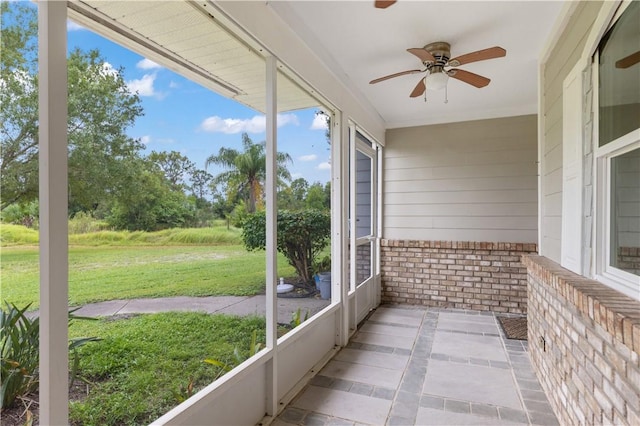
column 440, row 50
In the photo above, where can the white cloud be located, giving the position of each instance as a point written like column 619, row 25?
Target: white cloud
column 284, row 119
column 72, row 26
column 108, row 69
column 145, row 139
column 310, row 157
column 255, row 124
column 319, row 122
column 173, row 85
column 324, row 166
column 147, row 64
column 143, row 86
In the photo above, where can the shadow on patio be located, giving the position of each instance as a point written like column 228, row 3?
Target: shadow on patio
column 427, row 367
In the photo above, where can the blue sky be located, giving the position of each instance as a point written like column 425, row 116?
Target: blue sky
column 183, row 116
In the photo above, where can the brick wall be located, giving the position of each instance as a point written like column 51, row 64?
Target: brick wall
column 588, row 363
column 629, row 259
column 458, row 274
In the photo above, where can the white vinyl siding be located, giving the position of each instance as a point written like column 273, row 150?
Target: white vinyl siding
column 470, row 181
column 562, row 59
column 571, row 244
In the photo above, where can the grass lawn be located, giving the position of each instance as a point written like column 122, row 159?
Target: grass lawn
column 143, row 366
column 123, row 272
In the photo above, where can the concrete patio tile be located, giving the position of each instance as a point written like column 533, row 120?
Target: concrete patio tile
column 457, row 406
column 471, row 383
column 292, row 415
column 384, row 340
column 383, row 393
column 362, row 409
column 469, row 346
column 374, row 359
column 280, row 422
column 546, row 418
column 459, row 316
column 315, row 419
column 390, row 330
column 414, row 313
column 513, row 415
column 375, row 376
column 484, row 410
column 427, row 401
column 341, row 385
column 391, row 317
column 361, row 388
column 430, row 416
column 335, row 421
column 468, row 325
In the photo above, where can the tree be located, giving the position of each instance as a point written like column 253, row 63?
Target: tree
column 246, row 170
column 301, row 237
column 175, row 166
column 293, row 196
column 100, row 108
column 149, row 202
column 200, row 181
column 317, row 197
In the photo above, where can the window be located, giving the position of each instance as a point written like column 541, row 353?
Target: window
column 618, row 154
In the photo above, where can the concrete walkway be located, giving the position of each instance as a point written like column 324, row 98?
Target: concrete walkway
column 231, row 305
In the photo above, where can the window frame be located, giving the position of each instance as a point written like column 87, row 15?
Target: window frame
column 603, row 271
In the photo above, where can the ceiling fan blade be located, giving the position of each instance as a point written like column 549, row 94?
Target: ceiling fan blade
column 383, row 4
column 419, row 89
column 422, row 54
column 479, row 55
column 469, row 77
column 398, row 74
column 630, row 60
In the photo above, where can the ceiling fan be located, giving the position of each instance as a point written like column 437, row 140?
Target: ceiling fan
column 628, row 61
column 383, row 4
column 436, row 57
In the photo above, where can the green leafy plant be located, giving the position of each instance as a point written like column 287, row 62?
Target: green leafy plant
column 19, row 355
column 239, row 358
column 301, row 236
column 297, row 319
column 322, row 265
column 20, row 352
column 74, row 345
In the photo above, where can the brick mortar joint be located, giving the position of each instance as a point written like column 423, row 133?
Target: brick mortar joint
column 591, row 298
column 460, row 245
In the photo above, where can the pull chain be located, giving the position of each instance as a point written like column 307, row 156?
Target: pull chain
column 446, row 97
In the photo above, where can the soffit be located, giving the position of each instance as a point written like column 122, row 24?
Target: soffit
column 191, row 39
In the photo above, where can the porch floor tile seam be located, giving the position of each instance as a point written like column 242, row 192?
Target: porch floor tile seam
column 405, row 405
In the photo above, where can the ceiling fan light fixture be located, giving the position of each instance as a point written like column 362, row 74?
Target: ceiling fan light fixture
column 436, row 80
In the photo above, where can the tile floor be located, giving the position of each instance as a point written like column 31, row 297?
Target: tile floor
column 424, row 367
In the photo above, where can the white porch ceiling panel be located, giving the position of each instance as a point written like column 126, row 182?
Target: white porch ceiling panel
column 192, row 39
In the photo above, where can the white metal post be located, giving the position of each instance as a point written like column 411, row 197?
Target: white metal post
column 271, row 231
column 352, row 172
column 52, row 62
column 339, row 225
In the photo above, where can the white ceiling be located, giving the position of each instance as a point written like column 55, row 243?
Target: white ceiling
column 359, row 43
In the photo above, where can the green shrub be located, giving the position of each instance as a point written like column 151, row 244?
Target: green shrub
column 22, row 214
column 83, row 223
column 19, row 354
column 301, row 237
column 17, row 234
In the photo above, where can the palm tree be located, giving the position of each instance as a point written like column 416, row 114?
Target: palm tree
column 246, row 171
